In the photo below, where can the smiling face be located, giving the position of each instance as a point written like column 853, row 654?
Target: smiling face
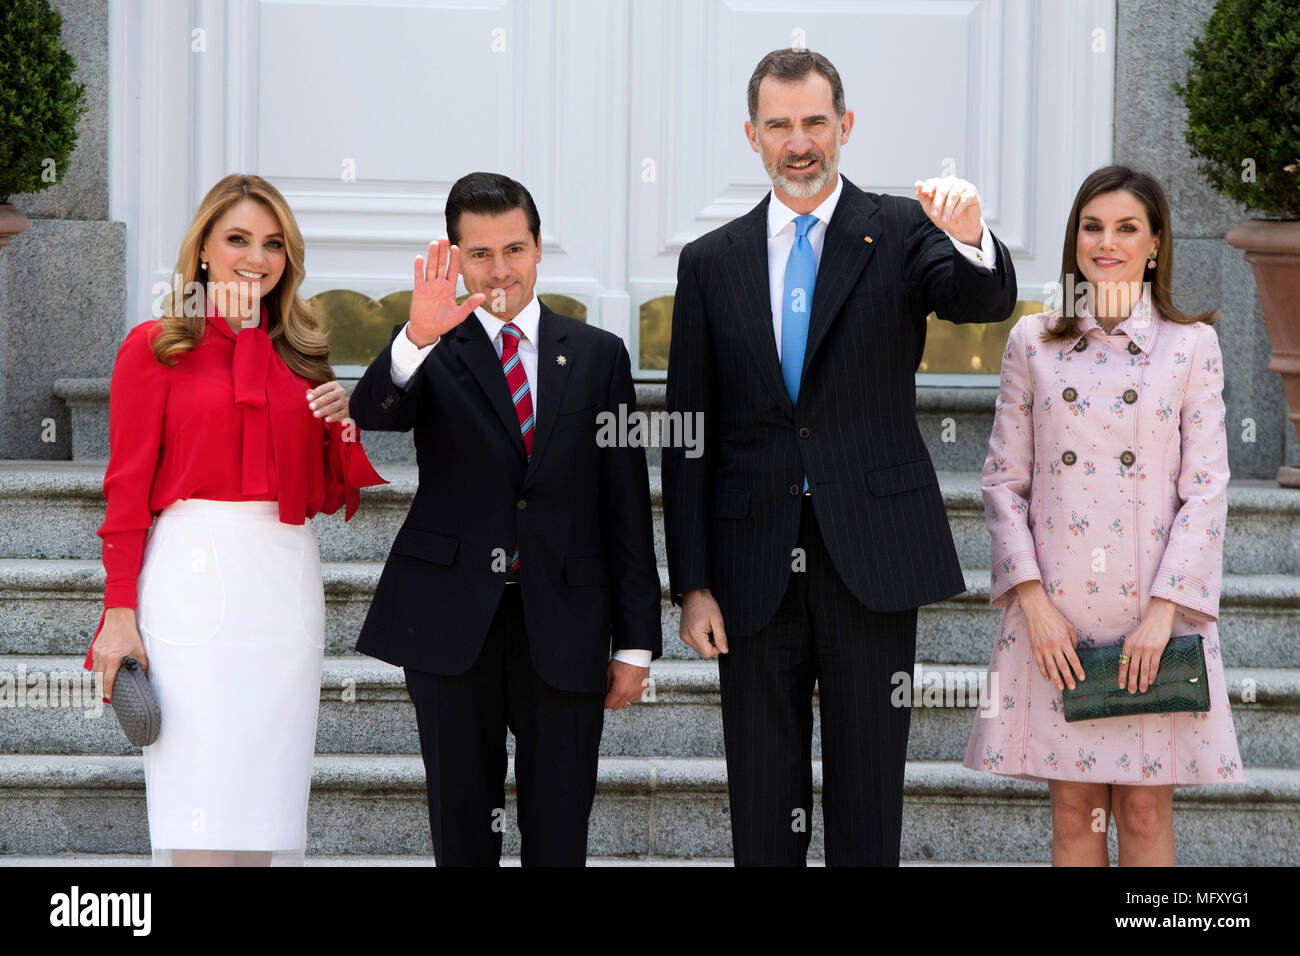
column 498, row 257
column 798, row 136
column 245, row 253
column 1114, row 238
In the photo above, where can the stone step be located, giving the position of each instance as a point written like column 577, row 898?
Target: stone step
column 364, row 708
column 663, row 807
column 80, row 860
column 51, row 606
column 52, row 510
column 955, row 423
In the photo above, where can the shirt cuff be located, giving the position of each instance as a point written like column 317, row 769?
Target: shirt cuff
column 984, row 255
column 637, row 658
column 406, row 357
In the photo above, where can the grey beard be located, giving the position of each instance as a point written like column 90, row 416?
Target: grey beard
column 803, row 188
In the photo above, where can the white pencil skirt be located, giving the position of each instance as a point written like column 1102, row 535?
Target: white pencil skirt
column 232, row 615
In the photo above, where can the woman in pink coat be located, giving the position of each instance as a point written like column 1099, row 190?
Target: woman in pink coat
column 1104, row 491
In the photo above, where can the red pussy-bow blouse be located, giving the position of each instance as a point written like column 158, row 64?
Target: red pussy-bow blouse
column 229, row 421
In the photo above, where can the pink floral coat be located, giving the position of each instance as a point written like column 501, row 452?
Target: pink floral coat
column 1105, row 479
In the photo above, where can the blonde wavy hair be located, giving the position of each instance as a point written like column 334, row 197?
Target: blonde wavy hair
column 291, row 324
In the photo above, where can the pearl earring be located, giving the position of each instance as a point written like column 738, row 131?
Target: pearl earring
column 203, row 266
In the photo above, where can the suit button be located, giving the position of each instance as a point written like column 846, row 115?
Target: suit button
column 1069, row 458
column 804, row 432
column 1081, row 345
column 1130, row 396
column 794, row 489
column 521, row 504
column 1133, row 348
column 1070, row 394
column 1127, row 458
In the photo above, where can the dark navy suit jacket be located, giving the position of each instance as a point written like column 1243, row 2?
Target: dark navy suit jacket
column 732, row 514
column 580, row 512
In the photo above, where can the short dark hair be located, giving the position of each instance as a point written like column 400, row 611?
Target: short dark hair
column 489, row 194
column 789, row 65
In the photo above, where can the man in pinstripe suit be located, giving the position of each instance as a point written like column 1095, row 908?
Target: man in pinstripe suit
column 805, row 537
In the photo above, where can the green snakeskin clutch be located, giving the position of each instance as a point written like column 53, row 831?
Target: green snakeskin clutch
column 1180, row 684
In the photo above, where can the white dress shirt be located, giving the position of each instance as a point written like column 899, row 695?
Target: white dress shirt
column 407, row 356
column 780, row 240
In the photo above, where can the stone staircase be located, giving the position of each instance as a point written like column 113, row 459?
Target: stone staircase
column 72, row 789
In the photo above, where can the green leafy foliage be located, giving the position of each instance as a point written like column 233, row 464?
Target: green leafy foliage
column 1243, row 104
column 39, row 103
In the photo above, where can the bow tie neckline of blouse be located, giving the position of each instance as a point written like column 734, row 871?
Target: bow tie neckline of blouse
column 249, row 369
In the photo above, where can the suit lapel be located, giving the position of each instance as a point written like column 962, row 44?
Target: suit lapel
column 553, row 376
column 844, row 255
column 752, row 297
column 475, row 349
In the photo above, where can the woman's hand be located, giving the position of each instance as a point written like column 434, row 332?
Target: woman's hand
column 118, row 638
column 1145, row 645
column 329, row 400
column 1051, row 636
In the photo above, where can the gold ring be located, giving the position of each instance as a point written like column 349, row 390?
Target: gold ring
column 1124, row 658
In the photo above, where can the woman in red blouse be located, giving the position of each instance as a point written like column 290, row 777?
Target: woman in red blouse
column 226, row 424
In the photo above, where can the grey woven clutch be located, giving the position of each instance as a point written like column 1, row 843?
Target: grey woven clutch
column 135, row 705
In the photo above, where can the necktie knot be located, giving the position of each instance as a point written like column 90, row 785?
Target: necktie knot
column 510, row 336
column 802, row 224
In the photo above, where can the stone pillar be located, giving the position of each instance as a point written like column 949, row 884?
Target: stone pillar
column 63, row 280
column 1151, row 38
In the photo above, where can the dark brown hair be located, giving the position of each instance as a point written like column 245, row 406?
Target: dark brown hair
column 1147, row 191
column 789, row 65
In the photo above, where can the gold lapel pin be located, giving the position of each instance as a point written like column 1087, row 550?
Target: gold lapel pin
column 561, row 360
column 867, row 238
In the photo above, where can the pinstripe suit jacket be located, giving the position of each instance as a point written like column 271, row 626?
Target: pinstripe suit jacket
column 732, row 513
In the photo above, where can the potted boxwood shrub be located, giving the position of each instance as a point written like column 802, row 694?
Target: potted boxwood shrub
column 1243, row 121
column 39, row 105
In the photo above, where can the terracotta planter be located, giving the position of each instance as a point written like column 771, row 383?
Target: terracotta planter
column 1273, row 251
column 12, row 222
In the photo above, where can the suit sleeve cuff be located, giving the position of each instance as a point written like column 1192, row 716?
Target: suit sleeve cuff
column 406, row 357
column 984, row 255
column 1190, row 592
column 1010, row 571
column 635, row 657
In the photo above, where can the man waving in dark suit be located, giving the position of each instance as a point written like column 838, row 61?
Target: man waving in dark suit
column 805, row 537
column 527, row 557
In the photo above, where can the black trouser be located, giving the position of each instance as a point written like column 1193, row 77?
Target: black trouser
column 821, row 634
column 463, row 721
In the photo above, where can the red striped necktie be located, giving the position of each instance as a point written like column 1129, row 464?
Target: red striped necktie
column 517, row 380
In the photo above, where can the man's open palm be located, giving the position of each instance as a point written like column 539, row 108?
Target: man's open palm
column 434, row 310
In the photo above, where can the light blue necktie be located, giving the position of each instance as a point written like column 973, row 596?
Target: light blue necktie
column 800, row 275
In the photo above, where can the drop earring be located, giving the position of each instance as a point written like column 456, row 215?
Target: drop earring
column 203, row 266
column 1151, row 261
